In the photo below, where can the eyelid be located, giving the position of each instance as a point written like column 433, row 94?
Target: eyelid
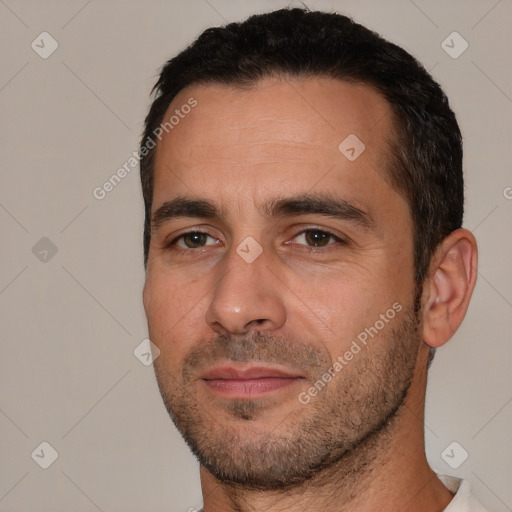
column 327, row 231
column 175, row 238
column 206, row 229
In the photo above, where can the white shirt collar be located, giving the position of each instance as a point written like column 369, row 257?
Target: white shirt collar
column 463, row 501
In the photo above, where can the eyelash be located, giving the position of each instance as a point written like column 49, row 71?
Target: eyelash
column 172, row 244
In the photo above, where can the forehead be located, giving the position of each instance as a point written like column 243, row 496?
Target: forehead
column 280, row 133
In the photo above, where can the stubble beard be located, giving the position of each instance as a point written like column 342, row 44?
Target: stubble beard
column 247, row 444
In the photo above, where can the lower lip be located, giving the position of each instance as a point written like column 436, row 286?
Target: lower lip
column 244, row 388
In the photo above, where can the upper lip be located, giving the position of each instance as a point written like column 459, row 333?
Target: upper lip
column 248, row 372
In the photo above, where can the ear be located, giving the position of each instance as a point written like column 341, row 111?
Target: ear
column 448, row 289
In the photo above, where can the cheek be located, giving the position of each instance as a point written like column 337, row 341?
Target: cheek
column 333, row 311
column 155, row 298
column 398, row 274
column 163, row 297
column 351, row 314
column 342, row 309
column 173, row 311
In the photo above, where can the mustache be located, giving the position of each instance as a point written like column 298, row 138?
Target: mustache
column 256, row 346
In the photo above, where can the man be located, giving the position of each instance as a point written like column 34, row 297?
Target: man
column 302, row 179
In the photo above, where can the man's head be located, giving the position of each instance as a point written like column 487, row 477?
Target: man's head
column 306, row 191
column 424, row 158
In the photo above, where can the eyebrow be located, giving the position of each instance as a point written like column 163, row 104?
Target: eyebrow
column 309, row 203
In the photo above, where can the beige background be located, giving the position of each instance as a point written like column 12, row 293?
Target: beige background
column 68, row 375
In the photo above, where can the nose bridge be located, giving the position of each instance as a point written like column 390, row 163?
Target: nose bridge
column 246, row 294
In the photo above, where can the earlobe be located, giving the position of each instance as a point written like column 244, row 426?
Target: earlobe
column 449, row 288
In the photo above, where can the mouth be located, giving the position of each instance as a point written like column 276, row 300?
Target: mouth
column 249, row 381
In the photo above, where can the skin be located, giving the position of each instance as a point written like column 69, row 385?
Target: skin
column 241, row 148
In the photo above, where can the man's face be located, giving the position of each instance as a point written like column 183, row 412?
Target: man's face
column 252, row 313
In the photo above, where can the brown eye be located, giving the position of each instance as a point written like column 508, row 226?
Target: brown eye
column 317, row 237
column 191, row 240
column 194, row 239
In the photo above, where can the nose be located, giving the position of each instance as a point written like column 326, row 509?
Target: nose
column 246, row 296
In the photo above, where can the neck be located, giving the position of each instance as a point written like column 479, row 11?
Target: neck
column 387, row 471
